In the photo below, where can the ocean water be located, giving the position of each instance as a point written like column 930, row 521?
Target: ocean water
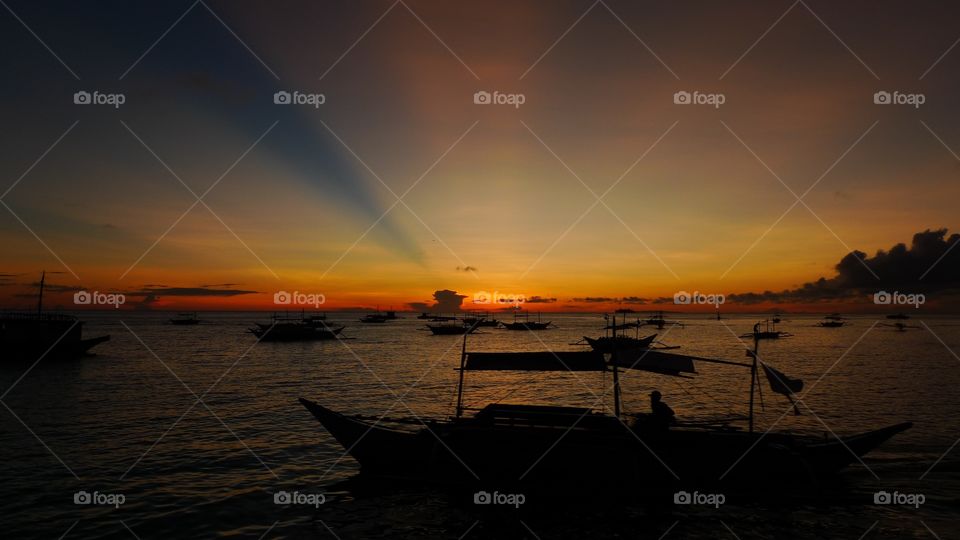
column 197, row 428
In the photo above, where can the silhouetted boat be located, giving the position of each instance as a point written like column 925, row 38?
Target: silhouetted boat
column 185, row 319
column 481, row 320
column 611, row 341
column 29, row 336
column 901, row 327
column 526, row 323
column 391, row 315
column 374, row 318
column 828, row 323
column 769, row 331
column 834, row 317
column 658, row 321
column 565, row 446
column 304, row 328
column 451, row 329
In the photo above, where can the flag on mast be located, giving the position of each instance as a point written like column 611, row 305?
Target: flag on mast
column 782, row 384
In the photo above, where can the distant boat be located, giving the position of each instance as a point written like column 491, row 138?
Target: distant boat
column 902, row 316
column 304, row 328
column 834, row 317
column 526, row 323
column 481, row 320
column 831, row 324
column 391, row 315
column 901, row 327
column 451, row 329
column 611, row 341
column 768, row 331
column 29, row 336
column 548, row 445
column 185, row 319
column 658, row 321
column 374, row 318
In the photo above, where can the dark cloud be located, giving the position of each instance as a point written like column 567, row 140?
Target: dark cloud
column 444, row 301
column 466, row 269
column 53, row 287
column 611, row 300
column 146, row 304
column 187, row 291
column 929, row 265
column 540, row 300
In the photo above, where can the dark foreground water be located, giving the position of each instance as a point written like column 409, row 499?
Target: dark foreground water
column 126, row 426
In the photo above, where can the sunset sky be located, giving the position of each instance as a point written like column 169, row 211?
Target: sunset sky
column 494, row 197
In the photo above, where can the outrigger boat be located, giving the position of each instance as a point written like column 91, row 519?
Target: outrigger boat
column 901, row 327
column 543, row 445
column 303, row 328
column 658, row 321
column 526, row 323
column 185, row 319
column 29, row 336
column 611, row 341
column 481, row 320
column 451, row 329
column 831, row 323
column 769, row 331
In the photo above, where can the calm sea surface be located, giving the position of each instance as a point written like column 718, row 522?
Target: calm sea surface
column 128, row 422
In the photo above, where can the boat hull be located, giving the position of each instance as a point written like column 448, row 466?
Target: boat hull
column 593, row 449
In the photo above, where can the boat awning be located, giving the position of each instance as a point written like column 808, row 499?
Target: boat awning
column 535, row 361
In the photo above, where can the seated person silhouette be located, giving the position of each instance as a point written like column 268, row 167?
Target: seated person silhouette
column 662, row 416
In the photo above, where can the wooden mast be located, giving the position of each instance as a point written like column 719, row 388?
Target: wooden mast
column 616, row 372
column 753, row 369
column 43, row 276
column 463, row 361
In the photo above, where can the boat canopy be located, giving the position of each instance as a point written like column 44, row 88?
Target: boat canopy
column 641, row 359
column 535, row 361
